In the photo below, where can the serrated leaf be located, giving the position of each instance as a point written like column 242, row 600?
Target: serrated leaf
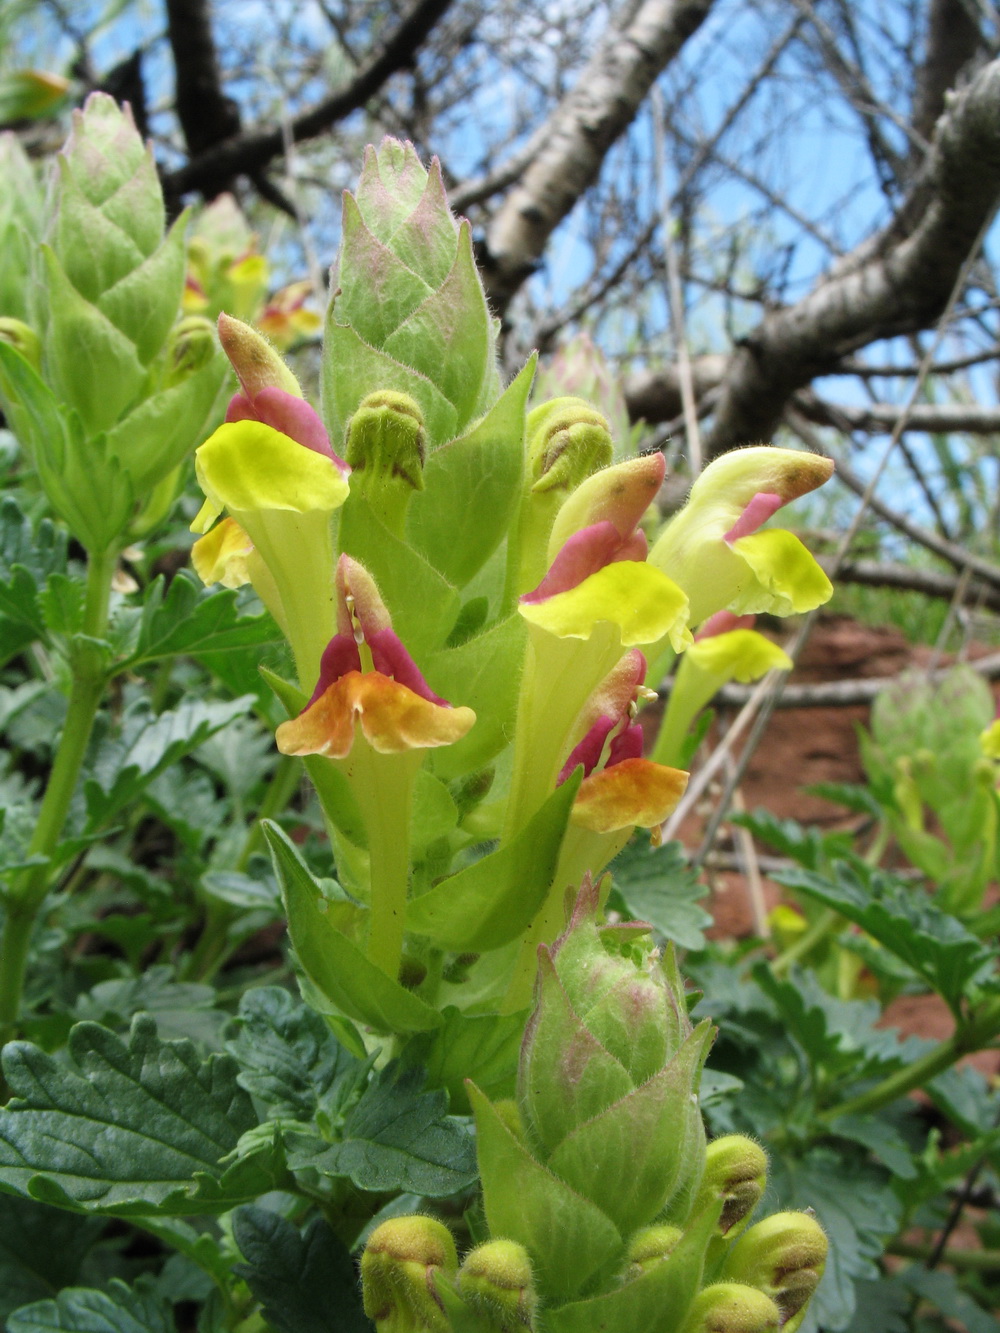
column 147, row 744
column 61, row 604
column 882, row 1304
column 301, row 1279
column 799, row 842
column 288, row 1057
column 839, row 1035
column 938, row 947
column 183, row 618
column 28, row 558
column 656, row 885
column 181, row 1009
column 398, row 1137
column 41, row 1250
column 118, row 1309
column 124, row 1129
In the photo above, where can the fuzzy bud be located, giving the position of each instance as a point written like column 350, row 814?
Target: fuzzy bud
column 650, row 1246
column 730, row 1307
column 735, row 1173
column 23, row 339
column 496, row 1281
column 784, row 1257
column 258, row 366
column 386, row 450
column 398, row 1268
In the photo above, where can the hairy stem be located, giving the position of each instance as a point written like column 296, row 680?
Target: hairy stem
column 28, row 890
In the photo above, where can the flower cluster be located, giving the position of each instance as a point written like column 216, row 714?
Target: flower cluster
column 471, row 600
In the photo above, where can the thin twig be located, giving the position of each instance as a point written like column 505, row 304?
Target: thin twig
column 773, row 692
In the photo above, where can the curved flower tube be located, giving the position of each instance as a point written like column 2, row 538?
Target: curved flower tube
column 714, row 550
column 272, row 469
column 372, row 715
column 620, row 791
column 725, row 648
column 599, row 596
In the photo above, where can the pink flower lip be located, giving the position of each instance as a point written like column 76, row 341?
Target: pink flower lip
column 757, row 512
column 722, row 622
column 291, row 416
column 586, row 552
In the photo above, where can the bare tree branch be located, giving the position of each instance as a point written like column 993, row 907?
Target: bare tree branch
column 206, row 114
column 252, row 150
column 578, row 134
column 938, row 418
column 908, row 578
column 901, row 286
column 953, row 38
column 846, row 693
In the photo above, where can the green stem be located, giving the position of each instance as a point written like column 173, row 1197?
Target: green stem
column 28, row 890
column 806, row 942
column 972, row 1261
column 971, row 1036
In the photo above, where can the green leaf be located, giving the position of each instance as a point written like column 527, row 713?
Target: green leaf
column 569, row 1239
column 838, row 1035
column 944, row 1293
column 82, row 478
column 94, row 367
column 655, row 1302
column 799, row 842
column 938, row 947
column 883, row 1138
column 398, row 1137
column 423, row 605
column 301, row 1279
column 147, row 744
column 181, row 1009
column 471, row 487
column 881, row 1304
column 41, row 1250
column 483, row 1047
column 119, row 1309
column 450, row 334
column 858, row 1210
column 484, row 674
column 61, row 604
column 185, row 618
column 494, row 900
column 657, row 885
column 352, row 369
column 29, row 557
column 341, row 973
column 288, row 1057
column 124, row 1129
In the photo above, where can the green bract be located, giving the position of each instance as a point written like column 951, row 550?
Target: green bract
column 115, row 400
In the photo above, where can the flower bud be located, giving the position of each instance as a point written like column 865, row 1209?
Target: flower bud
column 258, row 366
column 735, row 1173
column 784, row 1257
column 23, row 339
column 398, row 1267
column 496, row 1281
column 567, row 441
column 649, row 1247
column 191, row 346
column 729, row 1307
column 408, row 310
column 386, row 450
column 607, row 1086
